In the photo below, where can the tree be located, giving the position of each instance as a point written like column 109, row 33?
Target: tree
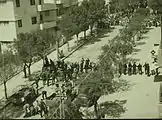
column 7, row 68
column 25, row 46
column 96, row 11
column 84, row 23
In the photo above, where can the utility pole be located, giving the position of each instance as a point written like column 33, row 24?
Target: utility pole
column 57, row 41
column 4, row 78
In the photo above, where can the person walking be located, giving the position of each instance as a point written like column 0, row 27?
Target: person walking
column 81, row 65
column 44, row 94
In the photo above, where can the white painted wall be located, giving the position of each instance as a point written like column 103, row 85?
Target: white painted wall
column 8, row 31
column 7, row 11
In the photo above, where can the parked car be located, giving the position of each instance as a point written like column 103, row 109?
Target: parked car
column 24, row 95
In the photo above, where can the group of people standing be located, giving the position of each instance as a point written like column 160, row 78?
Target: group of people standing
column 38, row 107
column 61, row 71
column 133, row 69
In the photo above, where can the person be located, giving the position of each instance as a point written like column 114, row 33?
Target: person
column 53, row 77
column 26, row 108
column 139, row 69
column 44, row 94
column 81, row 65
column 134, row 68
column 37, row 81
column 86, row 65
column 32, row 110
column 145, row 67
column 125, row 69
column 129, row 68
column 46, row 61
column 148, row 69
column 36, row 106
column 42, row 107
column 157, row 71
column 120, row 68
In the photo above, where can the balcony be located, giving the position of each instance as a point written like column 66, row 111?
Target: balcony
column 47, row 25
column 46, row 6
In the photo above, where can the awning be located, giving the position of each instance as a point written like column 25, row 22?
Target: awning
column 158, row 78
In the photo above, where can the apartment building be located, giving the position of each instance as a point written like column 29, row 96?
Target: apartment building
column 63, row 5
column 17, row 16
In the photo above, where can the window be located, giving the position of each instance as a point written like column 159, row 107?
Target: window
column 47, row 13
column 17, row 3
column 32, row 2
column 34, row 20
column 19, row 22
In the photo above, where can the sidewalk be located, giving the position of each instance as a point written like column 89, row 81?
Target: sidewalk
column 19, row 78
column 143, row 97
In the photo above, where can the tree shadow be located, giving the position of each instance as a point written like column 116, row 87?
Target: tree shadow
column 112, row 109
column 135, row 50
column 140, row 43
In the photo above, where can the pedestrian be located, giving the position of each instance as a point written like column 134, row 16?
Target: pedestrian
column 53, row 77
column 148, row 69
column 44, row 94
column 36, row 106
column 134, row 68
column 32, row 110
column 120, row 68
column 86, row 65
column 125, row 69
column 26, row 108
column 140, row 69
column 145, row 67
column 42, row 107
column 157, row 71
column 129, row 68
column 46, row 61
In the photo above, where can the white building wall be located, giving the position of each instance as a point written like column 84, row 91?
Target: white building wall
column 7, row 11
column 8, row 31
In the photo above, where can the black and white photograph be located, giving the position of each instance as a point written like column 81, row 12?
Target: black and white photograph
column 80, row 59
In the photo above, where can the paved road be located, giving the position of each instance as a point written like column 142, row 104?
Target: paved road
column 142, row 99
column 92, row 51
column 89, row 51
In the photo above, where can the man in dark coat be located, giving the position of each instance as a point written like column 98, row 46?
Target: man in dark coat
column 120, row 68
column 129, row 68
column 81, row 65
column 134, row 68
column 125, row 69
column 86, row 65
column 140, row 69
column 148, row 69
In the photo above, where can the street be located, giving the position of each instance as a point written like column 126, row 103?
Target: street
column 143, row 98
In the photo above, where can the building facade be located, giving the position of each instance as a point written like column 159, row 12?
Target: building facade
column 20, row 16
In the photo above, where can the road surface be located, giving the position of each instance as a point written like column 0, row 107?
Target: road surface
column 142, row 99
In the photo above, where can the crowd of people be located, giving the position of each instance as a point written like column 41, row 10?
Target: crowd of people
column 54, row 72
column 134, row 69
